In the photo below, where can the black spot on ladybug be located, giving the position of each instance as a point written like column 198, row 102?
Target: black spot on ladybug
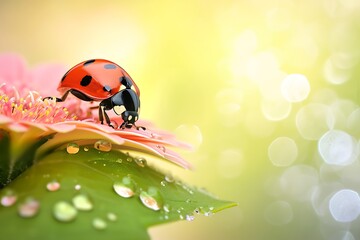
column 125, row 81
column 109, row 66
column 107, row 88
column 89, row 61
column 86, row 80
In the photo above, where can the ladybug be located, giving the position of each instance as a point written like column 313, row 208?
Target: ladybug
column 106, row 82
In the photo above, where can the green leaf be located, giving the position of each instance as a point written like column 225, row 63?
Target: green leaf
column 16, row 159
column 93, row 194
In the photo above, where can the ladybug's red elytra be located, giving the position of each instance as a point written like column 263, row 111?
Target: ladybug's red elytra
column 104, row 81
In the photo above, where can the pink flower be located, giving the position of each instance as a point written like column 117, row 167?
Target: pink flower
column 27, row 119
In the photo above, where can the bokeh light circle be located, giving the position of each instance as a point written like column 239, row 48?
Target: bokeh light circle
column 313, row 120
column 190, row 134
column 228, row 102
column 275, row 109
column 334, row 74
column 282, row 151
column 230, row 163
column 299, row 182
column 278, row 213
column 295, row 88
column 338, row 148
column 344, row 205
column 353, row 122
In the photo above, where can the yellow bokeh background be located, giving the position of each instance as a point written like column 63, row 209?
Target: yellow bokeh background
column 212, row 72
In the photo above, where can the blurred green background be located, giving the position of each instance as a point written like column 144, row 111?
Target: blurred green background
column 220, row 74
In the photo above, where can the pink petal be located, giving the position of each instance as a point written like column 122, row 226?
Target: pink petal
column 62, row 127
column 12, row 69
column 4, row 119
column 45, row 78
column 17, row 127
column 154, row 150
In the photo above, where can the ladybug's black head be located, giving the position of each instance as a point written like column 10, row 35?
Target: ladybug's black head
column 127, row 104
column 130, row 117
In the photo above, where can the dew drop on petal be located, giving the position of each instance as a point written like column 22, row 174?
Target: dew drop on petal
column 140, row 161
column 72, row 148
column 295, row 88
column 282, row 151
column 125, row 188
column 8, row 199
column 99, row 224
column 102, row 145
column 64, row 211
column 338, row 148
column 344, row 205
column 161, row 147
column 29, row 208
column 152, row 199
column 53, row 186
column 82, row 202
column 111, row 217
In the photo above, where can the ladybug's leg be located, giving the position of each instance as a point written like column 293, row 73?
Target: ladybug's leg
column 59, row 99
column 103, row 114
column 123, row 125
column 139, row 127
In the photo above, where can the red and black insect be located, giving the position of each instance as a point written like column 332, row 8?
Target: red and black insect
column 104, row 81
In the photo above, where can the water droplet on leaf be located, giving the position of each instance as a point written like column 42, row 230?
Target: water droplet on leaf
column 125, row 188
column 86, row 149
column 111, row 216
column 103, row 145
column 99, row 224
column 141, row 162
column 72, row 148
column 82, row 202
column 64, row 211
column 167, row 208
column 77, row 187
column 169, row 178
column 208, row 213
column 53, row 186
column 29, row 208
column 190, row 217
column 8, row 199
column 152, row 199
